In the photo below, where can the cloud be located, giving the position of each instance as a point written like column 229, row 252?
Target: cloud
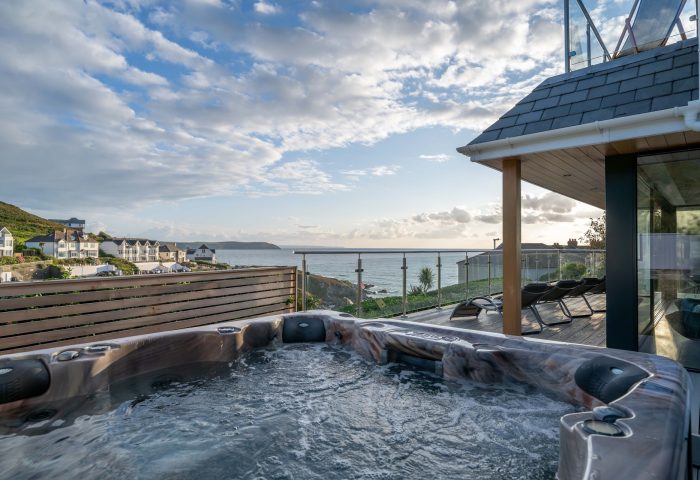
column 266, row 8
column 549, row 202
column 384, row 170
column 439, row 158
column 378, row 171
column 146, row 102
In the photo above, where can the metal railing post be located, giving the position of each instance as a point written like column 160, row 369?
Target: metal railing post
column 595, row 264
column 549, row 266
column 559, row 259
column 403, row 288
column 489, row 260
column 303, row 283
column 466, row 276
column 439, row 283
column 359, row 286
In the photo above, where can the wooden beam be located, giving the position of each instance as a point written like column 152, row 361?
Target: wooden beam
column 511, row 247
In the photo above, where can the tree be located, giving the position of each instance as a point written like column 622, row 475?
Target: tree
column 595, row 235
column 425, row 279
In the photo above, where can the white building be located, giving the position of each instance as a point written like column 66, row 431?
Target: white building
column 133, row 250
column 66, row 244
column 202, row 253
column 74, row 223
column 7, row 243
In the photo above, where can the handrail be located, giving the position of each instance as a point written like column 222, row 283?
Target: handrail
column 489, row 252
column 370, row 251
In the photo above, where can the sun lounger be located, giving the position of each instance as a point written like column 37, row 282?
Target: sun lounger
column 596, row 290
column 556, row 294
column 494, row 303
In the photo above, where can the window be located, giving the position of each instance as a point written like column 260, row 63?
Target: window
column 668, row 255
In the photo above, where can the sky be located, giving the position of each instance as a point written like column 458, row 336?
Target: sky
column 299, row 123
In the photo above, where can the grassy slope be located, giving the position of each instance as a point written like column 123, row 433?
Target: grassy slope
column 24, row 225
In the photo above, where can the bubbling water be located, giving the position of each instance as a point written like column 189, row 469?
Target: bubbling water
column 304, row 412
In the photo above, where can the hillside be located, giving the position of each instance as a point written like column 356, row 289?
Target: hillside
column 231, row 245
column 24, row 225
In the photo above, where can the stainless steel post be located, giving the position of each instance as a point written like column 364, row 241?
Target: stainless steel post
column 439, row 282
column 549, row 266
column 489, row 259
column 403, row 288
column 559, row 259
column 359, row 286
column 588, row 42
column 595, row 264
column 466, row 276
column 567, row 47
column 303, row 283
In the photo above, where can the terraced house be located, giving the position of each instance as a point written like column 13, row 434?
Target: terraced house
column 132, row 249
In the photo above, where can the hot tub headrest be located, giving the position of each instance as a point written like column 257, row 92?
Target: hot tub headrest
column 303, row 328
column 20, row 379
column 607, row 378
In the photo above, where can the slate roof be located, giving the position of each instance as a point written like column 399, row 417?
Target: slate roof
column 654, row 80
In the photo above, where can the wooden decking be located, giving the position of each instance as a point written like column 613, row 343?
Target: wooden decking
column 586, row 330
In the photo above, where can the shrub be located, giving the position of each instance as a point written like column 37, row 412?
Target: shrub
column 9, row 260
column 126, row 267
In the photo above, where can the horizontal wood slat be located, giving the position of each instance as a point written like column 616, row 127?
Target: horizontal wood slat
column 193, row 322
column 107, row 305
column 84, row 285
column 73, row 311
column 116, row 294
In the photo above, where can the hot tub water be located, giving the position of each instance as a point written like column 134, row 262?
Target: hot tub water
column 303, row 411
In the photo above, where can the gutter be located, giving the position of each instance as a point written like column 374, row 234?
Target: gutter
column 671, row 120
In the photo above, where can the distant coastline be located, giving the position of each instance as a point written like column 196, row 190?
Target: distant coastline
column 230, row 245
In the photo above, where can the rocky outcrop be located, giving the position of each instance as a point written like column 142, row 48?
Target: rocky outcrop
column 332, row 292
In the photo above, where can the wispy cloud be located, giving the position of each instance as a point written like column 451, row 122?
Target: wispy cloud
column 437, row 158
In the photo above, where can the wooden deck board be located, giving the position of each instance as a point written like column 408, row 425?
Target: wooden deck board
column 586, row 330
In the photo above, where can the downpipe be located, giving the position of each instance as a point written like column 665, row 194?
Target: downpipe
column 690, row 116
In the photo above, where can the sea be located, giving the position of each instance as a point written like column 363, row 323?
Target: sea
column 382, row 271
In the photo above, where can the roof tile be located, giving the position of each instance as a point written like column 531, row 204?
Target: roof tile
column 654, row 91
column 617, row 99
column 604, row 90
column 540, row 126
column 654, row 67
column 586, row 106
column 670, row 101
column 636, row 83
column 529, row 117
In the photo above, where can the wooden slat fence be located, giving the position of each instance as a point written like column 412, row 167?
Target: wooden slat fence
column 55, row 313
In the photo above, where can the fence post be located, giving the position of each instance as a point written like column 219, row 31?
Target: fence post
column 466, row 276
column 303, row 282
column 489, row 259
column 403, row 295
column 559, row 259
column 595, row 264
column 549, row 266
column 359, row 286
column 439, row 283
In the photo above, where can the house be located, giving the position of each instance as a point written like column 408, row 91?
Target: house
column 624, row 136
column 203, row 253
column 72, row 222
column 541, row 263
column 7, row 243
column 170, row 252
column 132, row 249
column 65, row 244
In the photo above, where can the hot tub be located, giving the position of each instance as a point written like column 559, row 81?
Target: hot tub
column 620, row 414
